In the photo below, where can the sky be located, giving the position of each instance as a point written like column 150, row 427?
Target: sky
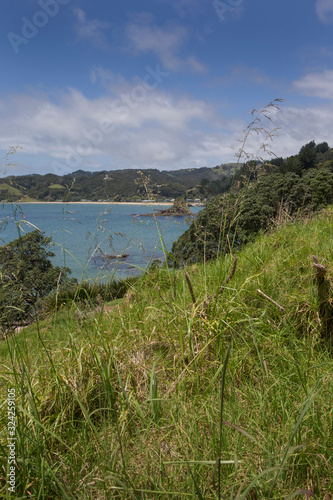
column 164, row 84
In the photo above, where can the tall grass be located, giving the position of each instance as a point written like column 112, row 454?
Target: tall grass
column 146, row 399
column 212, row 382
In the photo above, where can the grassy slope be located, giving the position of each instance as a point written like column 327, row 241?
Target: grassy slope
column 56, row 186
column 110, row 406
column 10, row 189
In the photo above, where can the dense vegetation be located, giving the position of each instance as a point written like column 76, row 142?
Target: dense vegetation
column 115, row 185
column 31, row 287
column 26, row 275
column 259, row 194
column 128, row 403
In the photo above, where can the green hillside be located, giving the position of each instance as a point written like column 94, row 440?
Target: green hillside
column 56, row 186
column 118, row 185
column 8, row 192
column 134, row 185
column 125, row 401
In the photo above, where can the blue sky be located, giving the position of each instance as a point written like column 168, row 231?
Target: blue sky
column 164, row 84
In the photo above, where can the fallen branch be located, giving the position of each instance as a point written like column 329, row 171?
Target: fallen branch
column 282, row 309
column 320, row 269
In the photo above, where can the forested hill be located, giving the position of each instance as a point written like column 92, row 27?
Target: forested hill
column 136, row 185
column 117, row 185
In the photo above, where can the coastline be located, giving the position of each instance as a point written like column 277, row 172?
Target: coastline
column 92, row 203
column 157, row 204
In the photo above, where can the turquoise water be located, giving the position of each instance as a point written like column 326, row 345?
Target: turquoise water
column 82, row 233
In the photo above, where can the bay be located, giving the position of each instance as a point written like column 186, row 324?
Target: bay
column 83, row 233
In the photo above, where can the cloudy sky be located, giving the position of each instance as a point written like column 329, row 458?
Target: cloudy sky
column 161, row 84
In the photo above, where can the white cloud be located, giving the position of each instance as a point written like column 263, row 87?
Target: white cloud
column 324, row 9
column 299, row 126
column 166, row 42
column 316, row 84
column 152, row 129
column 91, row 30
column 108, row 80
column 131, row 130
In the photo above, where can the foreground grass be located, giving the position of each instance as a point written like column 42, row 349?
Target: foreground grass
column 126, row 402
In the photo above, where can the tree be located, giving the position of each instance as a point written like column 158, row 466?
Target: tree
column 291, row 164
column 26, row 275
column 238, row 216
column 309, row 145
column 307, row 157
column 322, row 147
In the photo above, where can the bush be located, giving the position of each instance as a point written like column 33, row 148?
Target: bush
column 240, row 215
column 26, row 275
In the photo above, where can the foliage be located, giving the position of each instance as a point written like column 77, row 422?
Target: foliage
column 26, row 275
column 115, row 185
column 256, row 199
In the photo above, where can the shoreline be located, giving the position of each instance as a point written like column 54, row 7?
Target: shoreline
column 90, row 203
column 139, row 203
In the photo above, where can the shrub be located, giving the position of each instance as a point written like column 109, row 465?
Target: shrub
column 26, row 275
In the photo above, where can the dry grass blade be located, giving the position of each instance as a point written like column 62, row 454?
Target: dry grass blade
column 224, row 372
column 281, row 308
column 225, row 282
column 188, row 281
column 308, row 493
column 287, row 452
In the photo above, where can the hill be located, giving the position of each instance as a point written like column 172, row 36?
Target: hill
column 135, row 185
column 115, row 185
column 211, row 381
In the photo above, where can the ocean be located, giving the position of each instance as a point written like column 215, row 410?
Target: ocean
column 85, row 233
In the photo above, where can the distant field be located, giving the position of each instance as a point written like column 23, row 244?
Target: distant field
column 56, row 186
column 10, row 189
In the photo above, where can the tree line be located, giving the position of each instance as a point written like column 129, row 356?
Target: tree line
column 256, row 195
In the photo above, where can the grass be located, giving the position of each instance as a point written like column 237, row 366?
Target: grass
column 173, row 394
column 10, row 189
column 56, row 186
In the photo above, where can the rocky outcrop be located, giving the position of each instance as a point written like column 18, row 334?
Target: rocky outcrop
column 178, row 209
